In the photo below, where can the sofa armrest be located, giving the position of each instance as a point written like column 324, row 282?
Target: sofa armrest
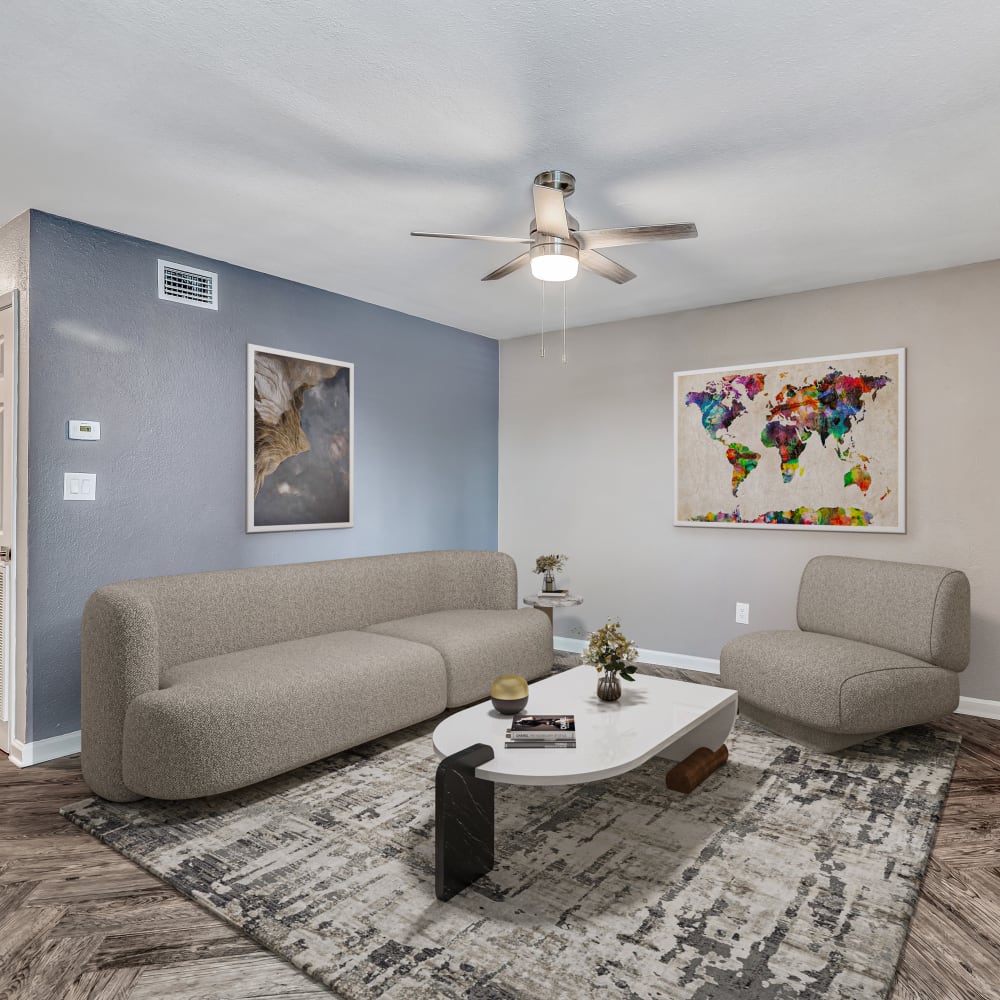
column 119, row 662
column 497, row 581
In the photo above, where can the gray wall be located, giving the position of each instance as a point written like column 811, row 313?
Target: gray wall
column 167, row 381
column 586, row 459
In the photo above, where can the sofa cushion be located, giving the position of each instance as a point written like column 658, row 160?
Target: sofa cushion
column 478, row 646
column 834, row 684
column 232, row 720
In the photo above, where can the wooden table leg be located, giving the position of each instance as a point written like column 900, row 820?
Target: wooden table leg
column 695, row 768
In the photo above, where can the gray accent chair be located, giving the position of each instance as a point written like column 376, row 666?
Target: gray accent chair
column 880, row 646
column 199, row 684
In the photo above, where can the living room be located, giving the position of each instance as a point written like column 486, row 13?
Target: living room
column 840, row 169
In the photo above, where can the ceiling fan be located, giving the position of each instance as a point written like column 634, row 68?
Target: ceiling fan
column 558, row 247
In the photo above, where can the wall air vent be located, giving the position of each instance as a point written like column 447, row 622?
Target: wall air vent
column 180, row 283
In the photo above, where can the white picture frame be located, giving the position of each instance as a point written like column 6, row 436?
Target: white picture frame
column 294, row 482
column 842, row 467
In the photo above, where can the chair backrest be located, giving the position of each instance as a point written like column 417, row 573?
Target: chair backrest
column 922, row 611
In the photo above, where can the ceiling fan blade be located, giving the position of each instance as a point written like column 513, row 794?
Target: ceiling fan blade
column 550, row 211
column 595, row 239
column 605, row 267
column 509, row 268
column 462, row 236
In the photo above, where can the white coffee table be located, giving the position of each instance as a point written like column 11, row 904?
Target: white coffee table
column 654, row 717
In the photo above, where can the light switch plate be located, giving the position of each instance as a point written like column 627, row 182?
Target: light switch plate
column 85, row 430
column 79, row 486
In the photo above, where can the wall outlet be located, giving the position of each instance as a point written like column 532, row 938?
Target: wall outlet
column 742, row 613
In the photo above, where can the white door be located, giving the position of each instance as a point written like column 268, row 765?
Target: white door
column 8, row 380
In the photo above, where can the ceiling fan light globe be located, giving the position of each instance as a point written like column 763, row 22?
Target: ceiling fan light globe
column 554, row 259
column 555, row 268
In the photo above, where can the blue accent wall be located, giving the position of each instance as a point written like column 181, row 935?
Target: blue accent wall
column 167, row 381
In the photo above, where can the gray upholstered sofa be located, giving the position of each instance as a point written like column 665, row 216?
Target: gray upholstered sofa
column 880, row 645
column 198, row 684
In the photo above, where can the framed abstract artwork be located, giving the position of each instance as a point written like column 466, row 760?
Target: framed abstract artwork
column 300, row 441
column 815, row 443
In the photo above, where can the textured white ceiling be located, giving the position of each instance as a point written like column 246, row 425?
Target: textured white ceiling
column 814, row 142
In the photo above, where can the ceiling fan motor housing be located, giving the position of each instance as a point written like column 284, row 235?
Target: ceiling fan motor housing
column 561, row 180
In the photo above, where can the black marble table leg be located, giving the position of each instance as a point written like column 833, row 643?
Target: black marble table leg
column 463, row 817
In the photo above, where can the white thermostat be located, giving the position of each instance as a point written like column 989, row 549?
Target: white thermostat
column 84, row 430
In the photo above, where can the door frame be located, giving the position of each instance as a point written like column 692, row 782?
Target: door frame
column 14, row 675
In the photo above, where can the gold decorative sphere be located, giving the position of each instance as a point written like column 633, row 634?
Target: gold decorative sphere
column 509, row 694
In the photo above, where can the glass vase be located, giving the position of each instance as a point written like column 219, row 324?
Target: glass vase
column 609, row 687
column 549, row 581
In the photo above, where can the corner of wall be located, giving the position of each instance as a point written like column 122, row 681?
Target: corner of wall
column 15, row 267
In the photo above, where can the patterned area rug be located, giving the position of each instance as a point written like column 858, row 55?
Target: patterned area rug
column 788, row 874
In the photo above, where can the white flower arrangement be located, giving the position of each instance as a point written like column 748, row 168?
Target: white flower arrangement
column 610, row 652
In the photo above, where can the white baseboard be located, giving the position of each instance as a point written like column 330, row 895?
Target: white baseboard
column 39, row 751
column 565, row 645
column 979, row 706
column 655, row 656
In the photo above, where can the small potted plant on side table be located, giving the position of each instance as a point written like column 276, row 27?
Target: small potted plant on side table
column 613, row 655
column 548, row 565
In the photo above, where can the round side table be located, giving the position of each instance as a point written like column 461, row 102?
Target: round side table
column 546, row 604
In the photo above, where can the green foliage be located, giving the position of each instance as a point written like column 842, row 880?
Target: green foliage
column 611, row 652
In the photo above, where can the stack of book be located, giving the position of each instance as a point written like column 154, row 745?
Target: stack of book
column 541, row 731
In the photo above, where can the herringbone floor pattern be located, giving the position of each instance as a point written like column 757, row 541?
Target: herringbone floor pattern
column 78, row 922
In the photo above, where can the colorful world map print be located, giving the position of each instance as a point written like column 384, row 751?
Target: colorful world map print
column 812, row 443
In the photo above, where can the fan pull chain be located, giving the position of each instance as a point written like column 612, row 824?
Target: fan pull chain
column 564, row 322
column 542, row 283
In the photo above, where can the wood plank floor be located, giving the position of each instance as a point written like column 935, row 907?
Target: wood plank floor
column 79, row 922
